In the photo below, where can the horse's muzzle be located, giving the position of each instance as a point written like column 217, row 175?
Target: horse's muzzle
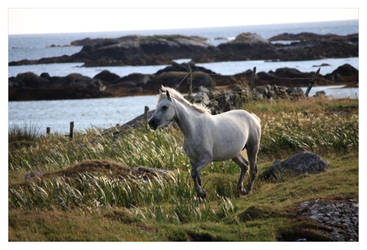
column 153, row 124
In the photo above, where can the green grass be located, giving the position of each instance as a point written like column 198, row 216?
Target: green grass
column 113, row 207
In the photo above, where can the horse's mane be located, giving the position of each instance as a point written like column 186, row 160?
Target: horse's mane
column 179, row 97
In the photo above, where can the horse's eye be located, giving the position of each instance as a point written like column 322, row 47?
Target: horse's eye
column 164, row 108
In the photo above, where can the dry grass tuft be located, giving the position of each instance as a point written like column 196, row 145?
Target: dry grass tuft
column 109, row 168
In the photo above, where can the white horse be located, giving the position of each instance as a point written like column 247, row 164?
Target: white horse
column 209, row 137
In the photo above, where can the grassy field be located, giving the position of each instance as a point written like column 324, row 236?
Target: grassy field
column 106, row 202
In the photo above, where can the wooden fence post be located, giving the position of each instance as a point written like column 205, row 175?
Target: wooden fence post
column 71, row 129
column 314, row 79
column 190, row 83
column 48, row 130
column 146, row 110
column 252, row 80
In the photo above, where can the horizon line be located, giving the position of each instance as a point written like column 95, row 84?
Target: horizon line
column 162, row 29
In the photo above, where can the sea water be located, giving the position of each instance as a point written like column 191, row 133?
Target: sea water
column 106, row 112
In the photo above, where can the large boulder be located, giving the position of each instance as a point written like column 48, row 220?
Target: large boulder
column 346, row 70
column 28, row 80
column 107, row 76
column 301, row 163
column 344, row 73
column 250, row 38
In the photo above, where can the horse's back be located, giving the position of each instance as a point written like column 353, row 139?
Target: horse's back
column 239, row 115
column 232, row 130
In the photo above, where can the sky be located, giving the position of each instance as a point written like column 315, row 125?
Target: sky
column 67, row 20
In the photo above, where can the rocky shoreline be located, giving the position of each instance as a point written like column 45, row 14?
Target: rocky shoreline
column 29, row 86
column 163, row 49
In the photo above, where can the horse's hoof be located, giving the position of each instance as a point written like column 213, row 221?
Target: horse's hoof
column 242, row 192
column 202, row 194
column 199, row 199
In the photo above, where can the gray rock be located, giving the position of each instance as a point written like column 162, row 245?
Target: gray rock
column 250, row 38
column 301, row 163
column 295, row 93
column 202, row 97
column 203, row 89
column 340, row 216
column 320, row 94
column 32, row 174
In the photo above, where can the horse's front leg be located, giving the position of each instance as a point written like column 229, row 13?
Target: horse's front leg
column 195, row 173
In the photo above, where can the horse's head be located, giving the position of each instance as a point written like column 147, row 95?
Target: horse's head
column 164, row 113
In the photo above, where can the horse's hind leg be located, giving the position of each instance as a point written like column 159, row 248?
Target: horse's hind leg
column 252, row 157
column 243, row 163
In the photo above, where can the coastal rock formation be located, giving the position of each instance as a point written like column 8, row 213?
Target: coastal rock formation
column 107, row 76
column 29, row 86
column 345, row 74
column 162, row 49
column 307, row 36
column 246, row 46
column 281, row 83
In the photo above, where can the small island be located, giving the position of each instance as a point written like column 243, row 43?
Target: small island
column 162, row 49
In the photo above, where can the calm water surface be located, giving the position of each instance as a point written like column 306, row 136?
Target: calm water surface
column 86, row 113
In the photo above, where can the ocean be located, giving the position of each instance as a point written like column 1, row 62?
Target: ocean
column 37, row 46
column 106, row 112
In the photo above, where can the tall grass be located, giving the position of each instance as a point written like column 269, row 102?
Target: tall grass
column 312, row 132
column 92, row 190
column 284, row 128
column 160, row 149
column 22, row 135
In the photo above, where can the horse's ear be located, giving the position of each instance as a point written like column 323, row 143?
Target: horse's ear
column 168, row 96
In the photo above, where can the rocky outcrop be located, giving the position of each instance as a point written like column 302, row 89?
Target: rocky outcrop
column 162, row 49
column 219, row 101
column 107, row 76
column 307, row 36
column 246, row 46
column 141, row 50
column 340, row 217
column 344, row 74
column 301, row 163
column 29, row 86
column 281, row 83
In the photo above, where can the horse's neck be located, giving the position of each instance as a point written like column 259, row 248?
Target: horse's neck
column 185, row 118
